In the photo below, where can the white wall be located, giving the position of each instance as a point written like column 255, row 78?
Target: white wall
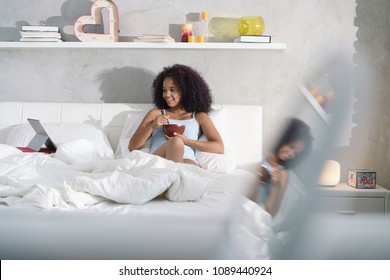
column 312, row 30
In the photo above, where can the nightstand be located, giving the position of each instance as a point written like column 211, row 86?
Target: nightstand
column 343, row 199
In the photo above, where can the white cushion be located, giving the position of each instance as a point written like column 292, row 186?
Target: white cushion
column 132, row 122
column 218, row 163
column 20, row 135
column 6, row 150
column 4, row 132
column 77, row 151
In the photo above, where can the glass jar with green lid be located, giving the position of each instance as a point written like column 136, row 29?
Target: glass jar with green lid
column 251, row 25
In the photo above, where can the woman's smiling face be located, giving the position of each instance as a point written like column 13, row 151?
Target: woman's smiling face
column 290, row 150
column 171, row 92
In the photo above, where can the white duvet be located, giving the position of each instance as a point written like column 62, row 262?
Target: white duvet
column 36, row 179
column 121, row 188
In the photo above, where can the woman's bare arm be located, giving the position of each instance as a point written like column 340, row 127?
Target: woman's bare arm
column 152, row 120
column 214, row 143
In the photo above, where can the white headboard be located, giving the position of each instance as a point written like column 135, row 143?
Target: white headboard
column 244, row 121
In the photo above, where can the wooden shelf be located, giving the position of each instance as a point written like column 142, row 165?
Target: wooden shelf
column 131, row 45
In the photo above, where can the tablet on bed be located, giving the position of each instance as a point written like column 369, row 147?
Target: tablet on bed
column 41, row 137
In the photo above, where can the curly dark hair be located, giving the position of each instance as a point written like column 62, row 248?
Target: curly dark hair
column 296, row 130
column 195, row 92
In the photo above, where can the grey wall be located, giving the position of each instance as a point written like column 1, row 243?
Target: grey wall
column 370, row 143
column 312, row 30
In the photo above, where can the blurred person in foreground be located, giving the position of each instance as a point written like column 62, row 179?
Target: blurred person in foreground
column 294, row 145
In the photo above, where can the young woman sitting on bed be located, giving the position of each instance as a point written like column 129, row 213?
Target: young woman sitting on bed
column 181, row 96
column 294, row 145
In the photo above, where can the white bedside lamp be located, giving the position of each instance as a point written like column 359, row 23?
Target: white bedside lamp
column 330, row 175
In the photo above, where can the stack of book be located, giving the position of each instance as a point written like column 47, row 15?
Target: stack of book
column 253, row 39
column 147, row 38
column 40, row 33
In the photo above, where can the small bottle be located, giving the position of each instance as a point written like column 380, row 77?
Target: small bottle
column 203, row 28
column 252, row 25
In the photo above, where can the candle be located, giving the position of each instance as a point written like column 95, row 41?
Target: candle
column 186, row 30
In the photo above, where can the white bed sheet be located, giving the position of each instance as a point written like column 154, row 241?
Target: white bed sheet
column 221, row 223
column 220, row 197
column 36, row 179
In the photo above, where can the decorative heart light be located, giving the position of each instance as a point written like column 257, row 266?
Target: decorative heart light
column 96, row 18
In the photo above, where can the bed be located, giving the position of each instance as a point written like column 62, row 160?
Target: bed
column 93, row 199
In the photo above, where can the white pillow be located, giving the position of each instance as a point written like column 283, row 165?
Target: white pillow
column 133, row 120
column 4, row 134
column 77, row 151
column 218, row 163
column 7, row 150
column 20, row 135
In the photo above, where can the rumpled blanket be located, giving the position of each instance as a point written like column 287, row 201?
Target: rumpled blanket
column 36, row 179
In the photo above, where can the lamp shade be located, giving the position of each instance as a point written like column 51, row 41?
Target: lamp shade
column 330, row 175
